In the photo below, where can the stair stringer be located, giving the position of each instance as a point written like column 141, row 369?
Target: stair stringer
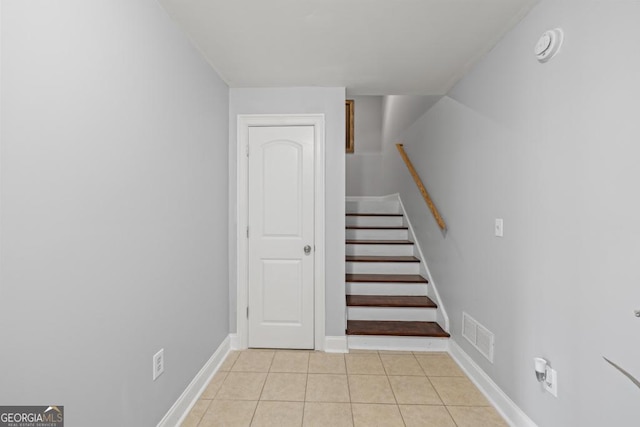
column 441, row 313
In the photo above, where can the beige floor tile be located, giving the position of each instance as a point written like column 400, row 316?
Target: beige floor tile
column 439, row 365
column 414, row 390
column 253, row 361
column 356, row 351
column 458, row 391
column 476, row 417
column 401, row 364
column 214, row 385
column 327, row 388
column 229, row 413
column 285, row 387
column 196, row 413
column 370, row 389
column 290, row 361
column 369, row 415
column 278, row 414
column 326, row 363
column 242, row 386
column 381, row 352
column 229, row 361
column 367, row 364
column 421, row 415
column 318, row 414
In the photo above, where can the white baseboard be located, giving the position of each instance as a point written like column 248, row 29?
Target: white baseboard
column 234, row 341
column 374, row 342
column 503, row 404
column 442, row 317
column 336, row 344
column 189, row 397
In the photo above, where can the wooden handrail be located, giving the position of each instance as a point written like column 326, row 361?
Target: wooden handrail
column 423, row 190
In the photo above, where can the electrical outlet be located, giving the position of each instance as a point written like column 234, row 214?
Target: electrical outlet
column 158, row 364
column 551, row 382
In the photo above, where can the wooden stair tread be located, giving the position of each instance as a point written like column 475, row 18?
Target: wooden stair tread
column 395, row 328
column 373, row 214
column 379, row 242
column 389, row 301
column 363, row 227
column 379, row 258
column 386, row 278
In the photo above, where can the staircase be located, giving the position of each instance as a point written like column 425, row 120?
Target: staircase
column 388, row 296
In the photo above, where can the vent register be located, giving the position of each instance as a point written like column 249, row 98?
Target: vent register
column 478, row 336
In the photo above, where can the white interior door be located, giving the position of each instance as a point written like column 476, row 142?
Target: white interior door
column 281, row 237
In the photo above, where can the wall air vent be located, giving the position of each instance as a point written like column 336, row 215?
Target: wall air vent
column 479, row 336
column 469, row 328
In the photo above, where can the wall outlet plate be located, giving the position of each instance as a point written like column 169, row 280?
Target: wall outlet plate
column 158, row 364
column 551, row 383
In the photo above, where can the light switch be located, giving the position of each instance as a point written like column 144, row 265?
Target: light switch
column 499, row 227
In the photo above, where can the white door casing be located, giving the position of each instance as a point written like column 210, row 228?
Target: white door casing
column 281, row 204
column 281, row 219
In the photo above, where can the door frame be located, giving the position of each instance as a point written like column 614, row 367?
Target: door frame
column 250, row 120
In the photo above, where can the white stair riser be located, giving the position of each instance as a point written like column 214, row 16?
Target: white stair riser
column 373, row 207
column 374, row 342
column 375, row 221
column 406, row 314
column 380, row 250
column 372, row 234
column 408, row 289
column 383, row 267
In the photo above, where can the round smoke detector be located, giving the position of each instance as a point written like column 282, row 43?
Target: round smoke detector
column 549, row 44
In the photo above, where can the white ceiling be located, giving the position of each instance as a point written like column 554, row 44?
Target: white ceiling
column 371, row 47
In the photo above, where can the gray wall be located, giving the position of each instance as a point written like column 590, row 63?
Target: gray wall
column 114, row 217
column 401, row 111
column 363, row 166
column 329, row 101
column 553, row 149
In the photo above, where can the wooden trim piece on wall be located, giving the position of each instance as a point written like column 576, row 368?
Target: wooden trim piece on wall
column 350, row 107
column 423, row 190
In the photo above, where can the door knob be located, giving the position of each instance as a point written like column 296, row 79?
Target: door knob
column 307, row 250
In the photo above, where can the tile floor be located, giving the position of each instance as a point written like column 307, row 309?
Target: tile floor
column 363, row 388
